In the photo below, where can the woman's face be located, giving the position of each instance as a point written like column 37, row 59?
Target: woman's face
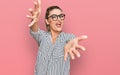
column 55, row 20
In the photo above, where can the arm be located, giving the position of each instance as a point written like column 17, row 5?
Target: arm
column 35, row 16
column 35, row 31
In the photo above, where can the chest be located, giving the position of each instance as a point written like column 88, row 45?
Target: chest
column 56, row 49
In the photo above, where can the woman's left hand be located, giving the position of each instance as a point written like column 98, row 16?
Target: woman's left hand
column 72, row 46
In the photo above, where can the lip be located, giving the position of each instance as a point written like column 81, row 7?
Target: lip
column 58, row 25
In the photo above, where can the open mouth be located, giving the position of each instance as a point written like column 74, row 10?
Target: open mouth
column 58, row 25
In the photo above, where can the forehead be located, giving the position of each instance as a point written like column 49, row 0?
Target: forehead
column 55, row 11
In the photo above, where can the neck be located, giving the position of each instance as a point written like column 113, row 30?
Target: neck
column 54, row 34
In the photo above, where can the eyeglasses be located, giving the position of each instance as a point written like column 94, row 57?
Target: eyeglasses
column 55, row 17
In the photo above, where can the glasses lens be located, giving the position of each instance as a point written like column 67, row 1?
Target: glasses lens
column 62, row 16
column 54, row 17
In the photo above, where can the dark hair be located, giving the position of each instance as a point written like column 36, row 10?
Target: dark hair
column 48, row 12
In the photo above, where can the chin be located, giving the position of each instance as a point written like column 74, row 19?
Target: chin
column 59, row 30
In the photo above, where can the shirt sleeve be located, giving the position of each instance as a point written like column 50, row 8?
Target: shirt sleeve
column 70, row 37
column 37, row 35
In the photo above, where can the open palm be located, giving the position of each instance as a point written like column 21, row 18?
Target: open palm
column 35, row 13
column 72, row 46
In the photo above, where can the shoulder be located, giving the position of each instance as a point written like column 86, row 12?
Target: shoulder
column 68, row 36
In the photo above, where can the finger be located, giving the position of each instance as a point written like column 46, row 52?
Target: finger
column 35, row 6
column 32, row 23
column 65, row 55
column 80, row 47
column 77, row 53
column 71, row 55
column 39, row 5
column 82, row 37
column 39, row 1
column 30, row 17
column 35, row 16
column 30, row 10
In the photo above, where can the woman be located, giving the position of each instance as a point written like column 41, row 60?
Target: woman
column 54, row 44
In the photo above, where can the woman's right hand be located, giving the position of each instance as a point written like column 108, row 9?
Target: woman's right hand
column 34, row 13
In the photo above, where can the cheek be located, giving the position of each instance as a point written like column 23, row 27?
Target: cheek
column 52, row 23
column 62, row 22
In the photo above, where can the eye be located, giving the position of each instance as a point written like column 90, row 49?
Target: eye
column 62, row 15
column 54, row 16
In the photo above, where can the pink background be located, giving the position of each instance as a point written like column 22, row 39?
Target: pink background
column 99, row 19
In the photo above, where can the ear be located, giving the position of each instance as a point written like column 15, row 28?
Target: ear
column 46, row 21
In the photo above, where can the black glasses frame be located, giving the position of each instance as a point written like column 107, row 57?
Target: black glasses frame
column 55, row 17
